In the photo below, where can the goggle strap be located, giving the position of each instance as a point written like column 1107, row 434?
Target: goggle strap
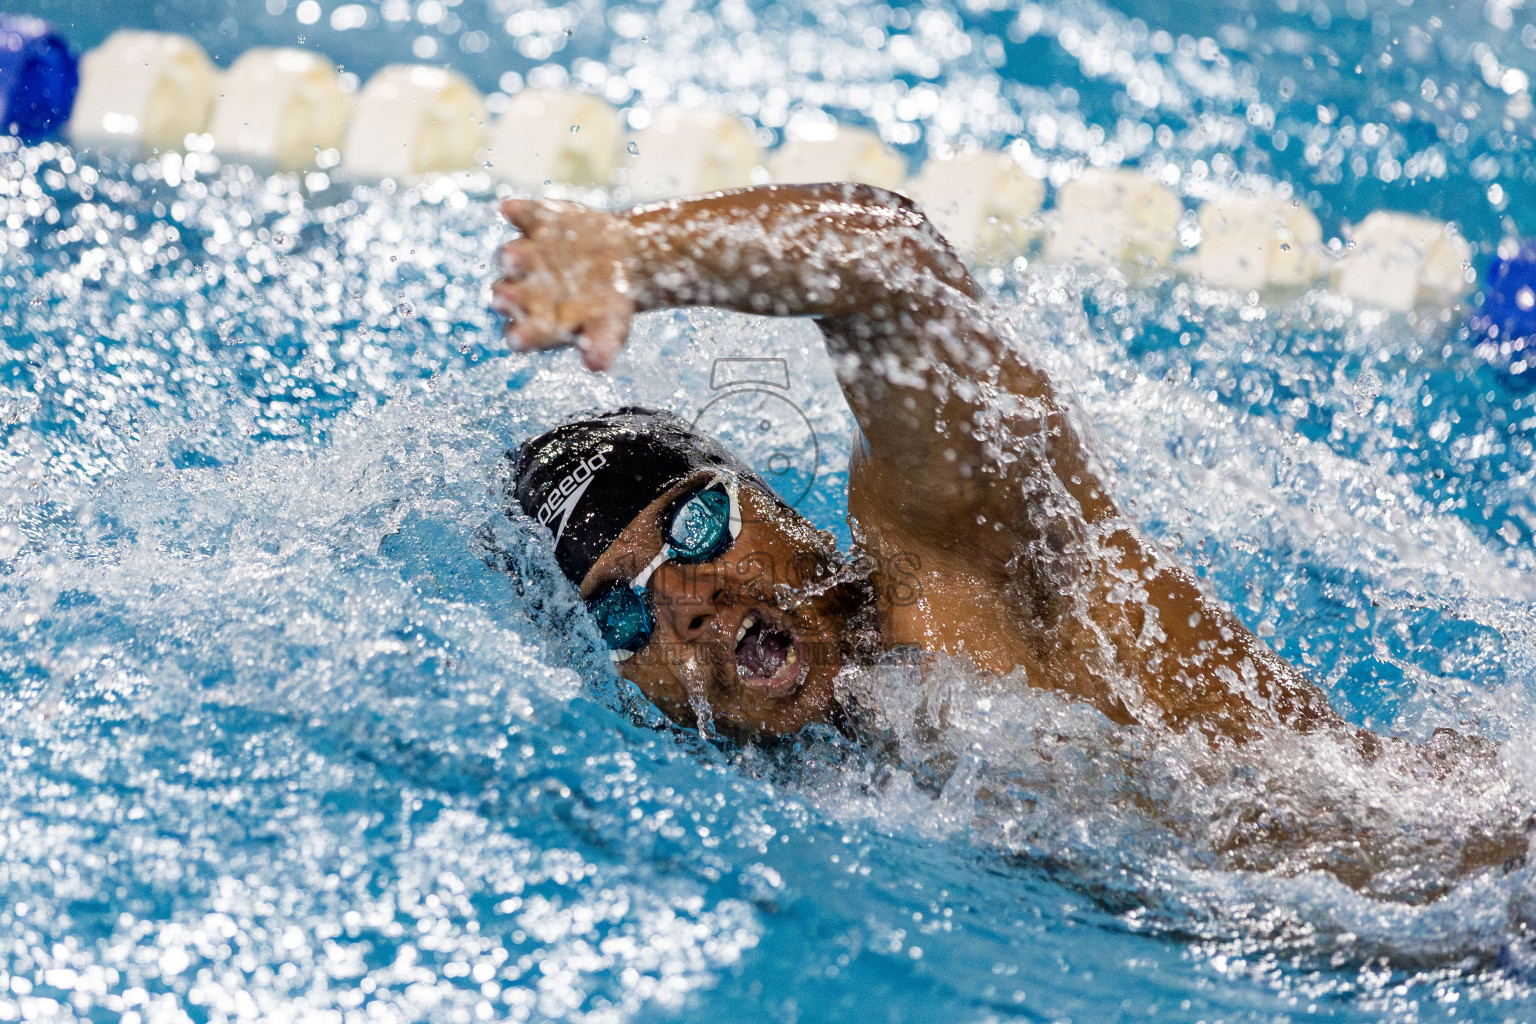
column 643, row 578
column 735, row 520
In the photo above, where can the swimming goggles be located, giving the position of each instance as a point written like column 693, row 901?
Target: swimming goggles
column 701, row 525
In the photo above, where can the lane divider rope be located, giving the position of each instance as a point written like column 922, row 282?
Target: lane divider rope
column 140, row 93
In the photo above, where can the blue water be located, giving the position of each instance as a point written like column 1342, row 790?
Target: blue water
column 297, row 724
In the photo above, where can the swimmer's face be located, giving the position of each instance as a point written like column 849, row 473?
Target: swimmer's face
column 723, row 646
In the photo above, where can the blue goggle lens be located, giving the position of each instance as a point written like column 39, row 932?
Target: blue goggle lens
column 622, row 618
column 701, row 527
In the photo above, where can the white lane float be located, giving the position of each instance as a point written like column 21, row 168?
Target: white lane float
column 1398, row 261
column 145, row 92
column 683, row 152
column 1110, row 217
column 279, row 108
column 984, row 202
column 142, row 92
column 826, row 151
column 1256, row 243
column 560, row 138
column 412, row 120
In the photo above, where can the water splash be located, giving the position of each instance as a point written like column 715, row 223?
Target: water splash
column 279, row 740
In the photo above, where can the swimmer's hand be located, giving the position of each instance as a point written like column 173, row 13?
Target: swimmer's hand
column 565, row 281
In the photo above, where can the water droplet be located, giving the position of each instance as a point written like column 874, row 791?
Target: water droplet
column 634, row 150
column 703, row 714
column 1285, row 246
column 575, row 128
column 1525, row 298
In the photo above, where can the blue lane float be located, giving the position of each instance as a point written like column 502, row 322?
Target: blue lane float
column 1504, row 325
column 38, row 78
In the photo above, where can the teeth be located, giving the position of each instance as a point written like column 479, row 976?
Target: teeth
column 746, row 624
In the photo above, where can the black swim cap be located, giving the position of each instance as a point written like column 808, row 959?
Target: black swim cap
column 587, row 480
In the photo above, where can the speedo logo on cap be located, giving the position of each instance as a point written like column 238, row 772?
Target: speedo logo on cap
column 564, row 497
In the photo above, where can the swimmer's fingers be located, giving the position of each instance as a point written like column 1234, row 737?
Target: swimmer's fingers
column 600, row 338
column 515, row 259
column 533, row 319
column 520, row 214
column 537, row 318
column 564, row 281
column 530, row 215
column 507, row 299
column 528, row 333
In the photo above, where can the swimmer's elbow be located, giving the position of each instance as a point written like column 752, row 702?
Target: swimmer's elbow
column 859, row 196
column 874, row 195
column 917, row 235
column 903, row 230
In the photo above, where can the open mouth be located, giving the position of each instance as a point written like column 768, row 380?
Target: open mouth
column 768, row 657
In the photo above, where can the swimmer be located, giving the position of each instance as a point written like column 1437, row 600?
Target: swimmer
column 983, row 520
column 982, row 524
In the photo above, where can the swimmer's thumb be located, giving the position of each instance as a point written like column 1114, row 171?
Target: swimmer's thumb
column 529, row 214
column 601, row 339
column 515, row 212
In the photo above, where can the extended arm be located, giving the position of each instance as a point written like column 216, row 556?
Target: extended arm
column 919, row 349
column 806, row 250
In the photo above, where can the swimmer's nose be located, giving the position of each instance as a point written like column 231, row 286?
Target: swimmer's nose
column 690, row 610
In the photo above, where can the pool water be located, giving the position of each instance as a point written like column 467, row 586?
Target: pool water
column 297, row 724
